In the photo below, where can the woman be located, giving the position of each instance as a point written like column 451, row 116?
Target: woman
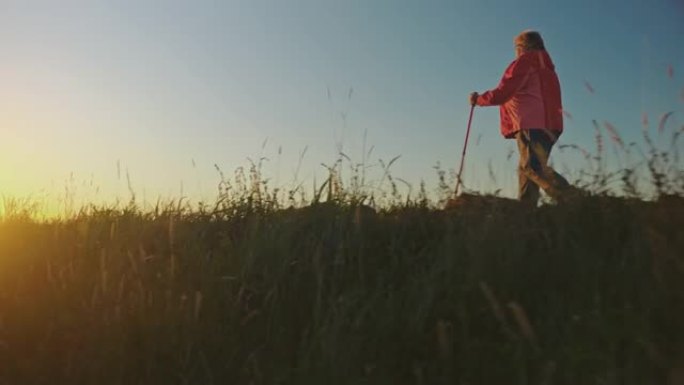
column 531, row 112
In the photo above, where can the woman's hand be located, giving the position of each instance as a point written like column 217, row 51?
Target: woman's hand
column 473, row 98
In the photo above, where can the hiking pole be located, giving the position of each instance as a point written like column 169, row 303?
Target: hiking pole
column 465, row 146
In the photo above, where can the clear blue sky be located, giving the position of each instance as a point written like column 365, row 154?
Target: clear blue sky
column 154, row 85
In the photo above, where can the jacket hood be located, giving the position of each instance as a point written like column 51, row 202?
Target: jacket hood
column 538, row 59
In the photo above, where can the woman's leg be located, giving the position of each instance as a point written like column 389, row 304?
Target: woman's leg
column 542, row 144
column 535, row 148
column 528, row 190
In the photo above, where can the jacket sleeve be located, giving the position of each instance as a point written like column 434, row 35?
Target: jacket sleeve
column 513, row 78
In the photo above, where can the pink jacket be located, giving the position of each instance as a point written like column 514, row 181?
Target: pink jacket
column 529, row 95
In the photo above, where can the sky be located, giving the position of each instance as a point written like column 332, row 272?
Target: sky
column 94, row 94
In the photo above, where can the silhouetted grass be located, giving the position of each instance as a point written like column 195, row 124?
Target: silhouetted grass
column 588, row 293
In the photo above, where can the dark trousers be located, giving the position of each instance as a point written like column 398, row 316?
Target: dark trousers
column 533, row 171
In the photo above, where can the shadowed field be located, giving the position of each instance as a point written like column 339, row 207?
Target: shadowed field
column 585, row 293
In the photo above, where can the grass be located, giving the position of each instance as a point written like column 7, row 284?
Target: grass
column 273, row 287
column 585, row 293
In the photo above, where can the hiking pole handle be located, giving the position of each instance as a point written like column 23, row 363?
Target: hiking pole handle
column 465, row 146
